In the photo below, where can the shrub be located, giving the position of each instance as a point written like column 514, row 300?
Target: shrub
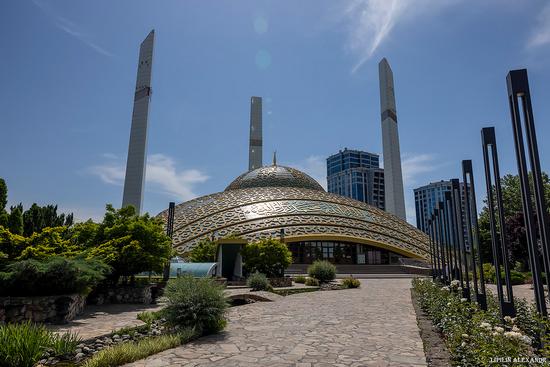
column 53, row 276
column 22, row 345
column 322, row 270
column 149, row 316
column 128, row 242
column 472, row 335
column 195, row 303
column 312, row 282
column 516, row 277
column 269, row 256
column 351, row 282
column 64, row 343
column 300, row 279
column 258, row 282
column 133, row 351
column 203, row 252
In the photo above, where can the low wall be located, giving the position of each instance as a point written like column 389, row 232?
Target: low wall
column 50, row 309
column 280, row 282
column 122, row 294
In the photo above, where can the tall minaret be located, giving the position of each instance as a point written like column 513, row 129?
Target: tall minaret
column 137, row 150
column 393, row 178
column 255, row 147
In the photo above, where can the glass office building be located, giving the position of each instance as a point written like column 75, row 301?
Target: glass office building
column 357, row 175
column 426, row 198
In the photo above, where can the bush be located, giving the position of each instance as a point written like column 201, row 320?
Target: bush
column 203, row 252
column 128, row 242
column 472, row 335
column 312, row 282
column 22, row 345
column 132, row 351
column 197, row 303
column 300, row 279
column 258, row 282
column 149, row 316
column 54, row 276
column 351, row 282
column 516, row 277
column 322, row 270
column 269, row 256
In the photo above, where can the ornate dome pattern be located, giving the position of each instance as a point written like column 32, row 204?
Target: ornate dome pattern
column 304, row 213
column 274, row 176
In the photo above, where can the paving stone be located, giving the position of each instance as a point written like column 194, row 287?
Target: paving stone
column 374, row 325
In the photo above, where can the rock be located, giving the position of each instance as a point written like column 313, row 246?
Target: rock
column 79, row 356
column 86, row 349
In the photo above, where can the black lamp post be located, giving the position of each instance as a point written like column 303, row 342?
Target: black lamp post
column 520, row 101
column 498, row 233
column 472, row 232
column 459, row 230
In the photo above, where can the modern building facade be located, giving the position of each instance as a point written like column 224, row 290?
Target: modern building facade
column 357, row 175
column 395, row 197
column 282, row 202
column 134, row 180
column 255, row 154
column 426, row 198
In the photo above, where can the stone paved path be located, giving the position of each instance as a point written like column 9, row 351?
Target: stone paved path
column 101, row 320
column 371, row 326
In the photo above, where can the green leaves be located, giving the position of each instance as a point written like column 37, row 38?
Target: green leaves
column 129, row 243
column 203, row 252
column 22, row 345
column 268, row 256
column 197, row 303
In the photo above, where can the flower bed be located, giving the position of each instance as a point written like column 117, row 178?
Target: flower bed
column 478, row 338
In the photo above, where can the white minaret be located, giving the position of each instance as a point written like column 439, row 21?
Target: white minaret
column 137, row 149
column 393, row 177
column 255, row 144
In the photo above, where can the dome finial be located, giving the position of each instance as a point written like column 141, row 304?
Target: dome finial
column 275, row 158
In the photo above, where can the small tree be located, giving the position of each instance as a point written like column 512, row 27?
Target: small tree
column 15, row 220
column 130, row 243
column 3, row 203
column 268, row 256
column 203, row 252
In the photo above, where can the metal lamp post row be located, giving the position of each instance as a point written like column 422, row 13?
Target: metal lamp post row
column 450, row 231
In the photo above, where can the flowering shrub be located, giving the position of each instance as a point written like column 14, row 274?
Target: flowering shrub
column 474, row 336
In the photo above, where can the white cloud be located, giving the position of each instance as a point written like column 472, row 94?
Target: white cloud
column 541, row 33
column 414, row 167
column 161, row 174
column 316, row 167
column 370, row 22
column 70, row 27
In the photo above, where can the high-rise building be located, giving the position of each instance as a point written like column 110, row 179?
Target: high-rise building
column 426, row 198
column 357, row 175
column 255, row 147
column 137, row 149
column 395, row 197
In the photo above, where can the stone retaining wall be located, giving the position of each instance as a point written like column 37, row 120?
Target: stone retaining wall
column 280, row 282
column 122, row 294
column 50, row 309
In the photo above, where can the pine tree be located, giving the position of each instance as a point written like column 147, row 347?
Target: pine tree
column 15, row 220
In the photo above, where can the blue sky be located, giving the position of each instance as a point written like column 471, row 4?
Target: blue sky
column 68, row 71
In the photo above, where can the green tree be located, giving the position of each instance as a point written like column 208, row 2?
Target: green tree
column 268, row 256
column 130, row 243
column 203, row 252
column 513, row 217
column 39, row 217
column 11, row 245
column 15, row 220
column 3, row 203
column 3, row 194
